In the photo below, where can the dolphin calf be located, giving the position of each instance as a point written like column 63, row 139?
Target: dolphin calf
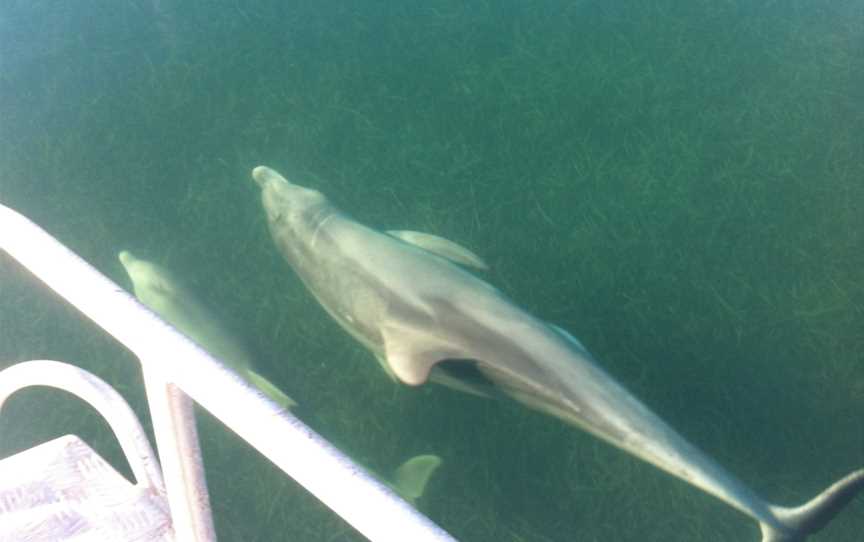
column 406, row 298
column 156, row 288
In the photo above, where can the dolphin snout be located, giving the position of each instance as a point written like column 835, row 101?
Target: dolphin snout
column 263, row 175
column 125, row 257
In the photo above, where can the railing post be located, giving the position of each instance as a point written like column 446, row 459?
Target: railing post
column 180, row 455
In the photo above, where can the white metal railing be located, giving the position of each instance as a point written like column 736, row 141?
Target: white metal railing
column 361, row 500
column 62, row 490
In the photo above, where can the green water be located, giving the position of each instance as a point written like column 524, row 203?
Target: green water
column 679, row 184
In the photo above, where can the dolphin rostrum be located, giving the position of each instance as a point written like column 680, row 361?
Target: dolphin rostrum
column 157, row 288
column 402, row 296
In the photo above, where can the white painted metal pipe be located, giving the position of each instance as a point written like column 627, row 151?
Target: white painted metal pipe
column 369, row 506
column 103, row 398
column 62, row 489
column 180, row 454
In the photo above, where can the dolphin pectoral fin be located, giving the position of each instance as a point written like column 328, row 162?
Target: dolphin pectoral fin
column 463, row 375
column 800, row 521
column 410, row 353
column 409, row 368
column 442, row 247
column 382, row 361
column 411, row 477
column 269, row 389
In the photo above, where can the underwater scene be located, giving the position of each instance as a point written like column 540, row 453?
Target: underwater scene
column 675, row 187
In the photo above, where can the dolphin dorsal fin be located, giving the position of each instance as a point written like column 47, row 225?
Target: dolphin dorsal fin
column 442, row 247
column 411, row 477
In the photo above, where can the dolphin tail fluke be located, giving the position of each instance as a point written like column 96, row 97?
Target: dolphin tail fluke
column 269, row 389
column 411, row 477
column 804, row 520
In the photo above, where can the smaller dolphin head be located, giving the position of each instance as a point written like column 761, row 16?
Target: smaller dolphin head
column 138, row 269
column 285, row 202
column 146, row 277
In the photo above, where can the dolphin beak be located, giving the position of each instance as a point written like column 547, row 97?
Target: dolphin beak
column 263, row 175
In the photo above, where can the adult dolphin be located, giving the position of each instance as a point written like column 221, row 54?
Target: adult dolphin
column 423, row 317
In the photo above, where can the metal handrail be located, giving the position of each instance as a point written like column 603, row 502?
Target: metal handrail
column 63, row 490
column 365, row 503
column 102, row 397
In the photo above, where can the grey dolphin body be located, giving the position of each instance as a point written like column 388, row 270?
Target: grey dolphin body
column 159, row 290
column 404, row 299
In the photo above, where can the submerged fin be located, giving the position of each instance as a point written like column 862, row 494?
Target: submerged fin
column 269, row 389
column 410, row 479
column 801, row 521
column 464, row 376
column 442, row 247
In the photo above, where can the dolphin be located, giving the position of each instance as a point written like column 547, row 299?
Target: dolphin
column 408, row 299
column 156, row 287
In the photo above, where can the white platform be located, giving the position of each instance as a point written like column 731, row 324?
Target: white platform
column 62, row 490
